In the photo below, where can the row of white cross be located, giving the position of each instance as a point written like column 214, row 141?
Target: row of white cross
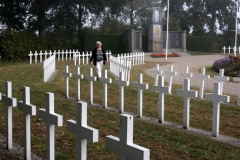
column 63, row 55
column 229, row 49
column 216, row 97
column 134, row 58
column 123, row 146
column 202, row 77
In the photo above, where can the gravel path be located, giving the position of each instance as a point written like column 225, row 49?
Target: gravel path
column 194, row 64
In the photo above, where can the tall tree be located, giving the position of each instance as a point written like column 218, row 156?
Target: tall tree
column 13, row 14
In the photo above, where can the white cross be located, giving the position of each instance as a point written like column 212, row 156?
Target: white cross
column 30, row 55
column 170, row 73
column 221, row 78
column 59, row 55
column 28, row 109
column 45, row 54
column 157, row 72
column 239, row 49
column 224, row 48
column 186, row 75
column 35, row 54
column 216, row 98
column 237, row 79
column 40, row 54
column 140, row 86
column 82, row 131
column 124, row 145
column 70, row 54
column 91, row 78
column 235, row 49
column 62, row 55
column 121, row 83
column 10, row 103
column 161, row 89
column 105, row 81
column 66, row 54
column 202, row 77
column 186, row 93
column 78, row 76
column 66, row 74
column 51, row 119
column 229, row 49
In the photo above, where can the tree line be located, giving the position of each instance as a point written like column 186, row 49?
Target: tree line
column 198, row 17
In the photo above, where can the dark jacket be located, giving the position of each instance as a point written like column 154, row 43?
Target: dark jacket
column 94, row 56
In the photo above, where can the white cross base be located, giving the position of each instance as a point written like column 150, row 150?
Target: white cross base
column 124, row 145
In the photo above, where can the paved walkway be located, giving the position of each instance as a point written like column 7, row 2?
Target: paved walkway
column 195, row 63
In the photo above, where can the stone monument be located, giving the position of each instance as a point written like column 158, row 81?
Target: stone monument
column 155, row 30
column 134, row 40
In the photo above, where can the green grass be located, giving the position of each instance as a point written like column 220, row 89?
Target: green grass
column 163, row 142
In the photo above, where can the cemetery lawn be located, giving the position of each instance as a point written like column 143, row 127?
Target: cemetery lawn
column 163, row 142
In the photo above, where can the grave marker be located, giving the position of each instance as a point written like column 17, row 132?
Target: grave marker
column 45, row 54
column 229, row 49
column 78, row 76
column 40, row 54
column 91, row 78
column 221, row 78
column 140, row 86
column 185, row 74
column 202, row 77
column 124, row 145
column 186, row 93
column 28, row 109
column 170, row 73
column 10, row 103
column 161, row 89
column 66, row 74
column 157, row 72
column 105, row 81
column 216, row 98
column 82, row 131
column 224, row 48
column 35, row 54
column 121, row 83
column 30, row 55
column 50, row 119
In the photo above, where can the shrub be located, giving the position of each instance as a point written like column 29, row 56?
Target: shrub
column 231, row 66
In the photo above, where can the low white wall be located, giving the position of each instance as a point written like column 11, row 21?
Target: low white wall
column 49, row 66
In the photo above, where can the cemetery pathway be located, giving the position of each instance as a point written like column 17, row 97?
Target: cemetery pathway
column 194, row 63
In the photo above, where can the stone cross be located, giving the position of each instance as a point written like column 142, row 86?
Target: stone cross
column 82, row 131
column 186, row 75
column 221, row 78
column 161, row 89
column 10, row 103
column 28, row 109
column 35, row 54
column 121, row 83
column 30, row 55
column 91, row 78
column 170, row 73
column 105, row 81
column 78, row 76
column 51, row 119
column 66, row 74
column 224, row 48
column 140, row 86
column 202, row 77
column 157, row 72
column 124, row 145
column 216, row 98
column 186, row 93
column 40, row 54
column 237, row 79
column 229, row 49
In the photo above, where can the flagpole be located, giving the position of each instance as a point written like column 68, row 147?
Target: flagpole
column 167, row 30
column 235, row 48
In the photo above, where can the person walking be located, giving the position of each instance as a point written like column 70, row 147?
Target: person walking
column 99, row 58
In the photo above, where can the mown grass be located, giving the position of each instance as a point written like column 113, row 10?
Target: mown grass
column 163, row 142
